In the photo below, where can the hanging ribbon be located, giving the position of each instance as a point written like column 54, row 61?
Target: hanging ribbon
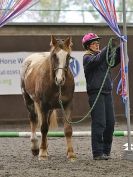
column 106, row 8
column 10, row 9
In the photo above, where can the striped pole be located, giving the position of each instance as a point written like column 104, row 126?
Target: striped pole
column 59, row 134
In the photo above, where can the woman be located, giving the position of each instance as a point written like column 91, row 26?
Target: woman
column 95, row 68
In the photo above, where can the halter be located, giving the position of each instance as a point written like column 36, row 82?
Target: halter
column 65, row 69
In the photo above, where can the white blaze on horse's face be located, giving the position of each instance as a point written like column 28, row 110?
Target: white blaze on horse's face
column 60, row 71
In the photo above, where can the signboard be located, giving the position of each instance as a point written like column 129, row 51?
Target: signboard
column 10, row 64
column 76, row 66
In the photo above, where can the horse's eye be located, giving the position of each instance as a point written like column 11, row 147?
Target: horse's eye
column 67, row 63
column 68, row 56
column 55, row 57
column 66, row 66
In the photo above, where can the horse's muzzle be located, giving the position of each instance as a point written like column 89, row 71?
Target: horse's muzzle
column 59, row 82
column 60, row 76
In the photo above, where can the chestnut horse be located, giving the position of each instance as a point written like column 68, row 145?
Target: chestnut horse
column 41, row 76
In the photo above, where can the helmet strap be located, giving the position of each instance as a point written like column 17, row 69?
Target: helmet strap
column 91, row 52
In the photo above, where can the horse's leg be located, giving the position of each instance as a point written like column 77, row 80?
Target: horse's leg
column 33, row 123
column 34, row 139
column 68, row 133
column 43, row 154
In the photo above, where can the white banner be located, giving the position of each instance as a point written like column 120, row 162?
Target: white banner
column 10, row 64
column 77, row 69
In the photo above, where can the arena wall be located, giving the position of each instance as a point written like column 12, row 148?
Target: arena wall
column 32, row 37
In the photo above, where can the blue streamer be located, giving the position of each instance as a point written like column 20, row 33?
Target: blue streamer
column 118, row 87
column 9, row 3
column 112, row 24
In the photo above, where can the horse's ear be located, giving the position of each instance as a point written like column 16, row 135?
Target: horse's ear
column 53, row 41
column 68, row 42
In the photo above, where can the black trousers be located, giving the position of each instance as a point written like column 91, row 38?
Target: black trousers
column 102, row 125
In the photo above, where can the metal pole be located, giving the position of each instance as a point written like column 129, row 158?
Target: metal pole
column 127, row 104
column 119, row 133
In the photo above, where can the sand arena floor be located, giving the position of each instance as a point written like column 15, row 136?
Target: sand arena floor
column 16, row 159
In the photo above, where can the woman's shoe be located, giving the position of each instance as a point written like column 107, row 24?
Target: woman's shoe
column 108, row 156
column 101, row 157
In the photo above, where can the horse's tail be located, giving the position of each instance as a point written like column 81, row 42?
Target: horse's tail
column 53, row 120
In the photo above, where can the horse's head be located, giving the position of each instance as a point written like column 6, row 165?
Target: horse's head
column 60, row 56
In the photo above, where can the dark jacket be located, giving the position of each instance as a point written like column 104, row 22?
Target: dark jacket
column 95, row 68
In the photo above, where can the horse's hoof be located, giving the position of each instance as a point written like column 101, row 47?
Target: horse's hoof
column 73, row 159
column 35, row 152
column 43, row 158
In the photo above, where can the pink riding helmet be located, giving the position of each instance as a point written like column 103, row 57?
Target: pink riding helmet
column 88, row 38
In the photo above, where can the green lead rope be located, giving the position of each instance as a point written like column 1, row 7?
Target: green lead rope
column 110, row 58
column 112, row 51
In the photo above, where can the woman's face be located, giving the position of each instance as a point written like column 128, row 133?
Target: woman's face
column 94, row 46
